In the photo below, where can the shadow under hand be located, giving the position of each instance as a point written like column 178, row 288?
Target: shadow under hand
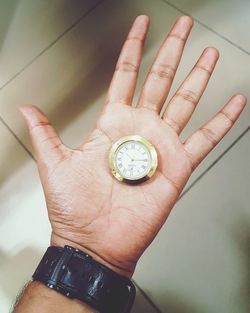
column 92, row 55
column 7, row 10
column 16, row 270
column 240, row 233
column 172, row 304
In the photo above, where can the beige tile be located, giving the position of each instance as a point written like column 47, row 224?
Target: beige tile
column 200, row 260
column 28, row 27
column 141, row 305
column 24, row 228
column 230, row 18
column 68, row 82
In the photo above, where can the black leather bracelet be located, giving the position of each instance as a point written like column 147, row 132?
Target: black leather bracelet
column 75, row 274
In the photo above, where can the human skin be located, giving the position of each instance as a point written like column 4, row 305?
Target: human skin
column 87, row 207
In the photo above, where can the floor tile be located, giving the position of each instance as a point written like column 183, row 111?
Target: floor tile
column 28, row 27
column 69, row 81
column 141, row 305
column 24, row 229
column 229, row 18
column 200, row 260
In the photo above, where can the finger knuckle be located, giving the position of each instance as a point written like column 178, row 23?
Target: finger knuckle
column 176, row 37
column 227, row 119
column 127, row 66
column 135, row 38
column 188, row 95
column 163, row 71
column 174, row 125
column 209, row 135
column 39, row 124
column 204, row 69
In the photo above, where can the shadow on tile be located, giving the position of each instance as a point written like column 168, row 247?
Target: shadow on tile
column 16, row 270
column 173, row 303
column 7, row 10
column 141, row 305
column 84, row 88
column 12, row 158
column 176, row 304
column 240, row 233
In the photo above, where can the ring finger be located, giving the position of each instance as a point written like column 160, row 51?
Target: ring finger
column 182, row 105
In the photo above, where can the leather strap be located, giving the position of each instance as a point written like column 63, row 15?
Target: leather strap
column 75, row 274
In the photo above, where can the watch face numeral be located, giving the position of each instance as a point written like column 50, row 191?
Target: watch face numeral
column 132, row 160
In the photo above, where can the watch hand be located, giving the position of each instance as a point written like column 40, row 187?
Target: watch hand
column 138, row 160
column 129, row 156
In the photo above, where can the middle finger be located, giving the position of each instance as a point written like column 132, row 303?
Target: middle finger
column 160, row 77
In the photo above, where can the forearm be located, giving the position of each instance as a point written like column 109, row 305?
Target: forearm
column 40, row 299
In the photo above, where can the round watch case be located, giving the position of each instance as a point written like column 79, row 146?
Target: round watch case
column 133, row 139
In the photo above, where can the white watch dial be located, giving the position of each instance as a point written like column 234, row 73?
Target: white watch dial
column 133, row 160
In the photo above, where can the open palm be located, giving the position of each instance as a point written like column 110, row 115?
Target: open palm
column 88, row 208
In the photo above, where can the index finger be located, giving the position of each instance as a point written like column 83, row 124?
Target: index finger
column 123, row 83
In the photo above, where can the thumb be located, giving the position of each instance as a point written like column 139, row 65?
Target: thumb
column 45, row 140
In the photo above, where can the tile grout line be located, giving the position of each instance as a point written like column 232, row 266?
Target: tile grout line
column 214, row 162
column 148, row 299
column 208, row 27
column 17, row 138
column 74, row 24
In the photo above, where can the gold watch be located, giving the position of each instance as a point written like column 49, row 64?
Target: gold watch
column 133, row 159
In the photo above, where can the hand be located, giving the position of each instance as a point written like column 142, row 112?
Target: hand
column 88, row 208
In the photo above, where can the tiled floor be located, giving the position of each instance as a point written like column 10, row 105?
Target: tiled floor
column 29, row 27
column 60, row 55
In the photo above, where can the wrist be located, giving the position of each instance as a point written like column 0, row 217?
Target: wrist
column 76, row 275
column 39, row 298
column 124, row 271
